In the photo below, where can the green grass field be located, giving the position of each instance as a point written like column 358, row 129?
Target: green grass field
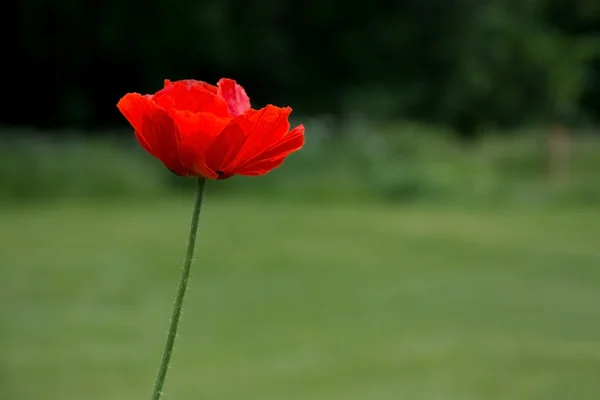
column 291, row 301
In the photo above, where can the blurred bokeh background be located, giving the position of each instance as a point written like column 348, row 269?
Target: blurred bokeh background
column 438, row 238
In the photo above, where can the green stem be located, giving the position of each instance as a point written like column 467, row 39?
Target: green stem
column 185, row 273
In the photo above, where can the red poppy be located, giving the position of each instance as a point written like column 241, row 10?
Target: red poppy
column 198, row 129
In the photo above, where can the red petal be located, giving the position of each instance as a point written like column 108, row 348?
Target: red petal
column 261, row 168
column 235, row 96
column 190, row 95
column 273, row 157
column 208, row 86
column 195, row 162
column 247, row 136
column 155, row 129
column 226, row 148
column 264, row 129
column 198, row 131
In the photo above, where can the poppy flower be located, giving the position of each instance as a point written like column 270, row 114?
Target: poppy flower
column 198, row 129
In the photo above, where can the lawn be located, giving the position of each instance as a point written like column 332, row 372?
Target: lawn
column 290, row 302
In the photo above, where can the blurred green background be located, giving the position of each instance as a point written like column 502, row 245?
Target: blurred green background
column 438, row 238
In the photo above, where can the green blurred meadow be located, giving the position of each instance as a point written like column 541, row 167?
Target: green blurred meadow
column 373, row 268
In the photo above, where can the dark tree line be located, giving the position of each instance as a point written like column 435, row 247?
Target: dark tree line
column 463, row 63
